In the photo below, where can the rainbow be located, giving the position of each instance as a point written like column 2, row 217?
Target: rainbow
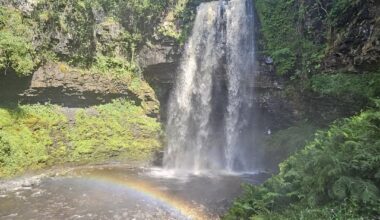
column 184, row 208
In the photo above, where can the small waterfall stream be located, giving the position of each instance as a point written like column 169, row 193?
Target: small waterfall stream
column 211, row 108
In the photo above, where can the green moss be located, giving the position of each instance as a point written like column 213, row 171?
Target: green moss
column 28, row 136
column 43, row 135
column 117, row 129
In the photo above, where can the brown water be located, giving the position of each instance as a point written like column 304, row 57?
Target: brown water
column 120, row 192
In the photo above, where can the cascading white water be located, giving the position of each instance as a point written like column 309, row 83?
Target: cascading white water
column 211, row 106
column 240, row 65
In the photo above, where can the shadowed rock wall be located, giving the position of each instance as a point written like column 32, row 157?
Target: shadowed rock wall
column 56, row 84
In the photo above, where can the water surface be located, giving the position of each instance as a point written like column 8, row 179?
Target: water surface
column 120, row 192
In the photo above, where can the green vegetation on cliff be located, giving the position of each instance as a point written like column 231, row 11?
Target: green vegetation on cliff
column 79, row 33
column 37, row 136
column 336, row 176
column 86, row 29
column 30, row 137
column 358, row 89
column 298, row 34
column 118, row 129
column 16, row 49
column 284, row 39
column 178, row 22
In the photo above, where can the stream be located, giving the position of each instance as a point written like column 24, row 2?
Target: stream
column 120, row 192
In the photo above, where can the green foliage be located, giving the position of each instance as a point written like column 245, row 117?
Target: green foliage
column 339, row 8
column 123, row 71
column 16, row 50
column 115, row 67
column 28, row 136
column 170, row 28
column 72, row 19
column 336, row 174
column 291, row 36
column 285, row 59
column 183, row 11
column 37, row 136
column 141, row 14
column 342, row 211
column 284, row 41
column 281, row 37
column 138, row 19
column 359, row 86
column 86, row 34
column 83, row 30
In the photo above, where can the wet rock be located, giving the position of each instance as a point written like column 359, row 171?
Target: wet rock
column 57, row 83
column 158, row 158
column 165, row 53
column 160, row 63
column 268, row 60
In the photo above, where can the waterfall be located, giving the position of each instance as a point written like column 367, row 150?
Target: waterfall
column 240, row 62
column 210, row 110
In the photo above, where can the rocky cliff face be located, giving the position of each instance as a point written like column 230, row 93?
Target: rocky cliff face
column 352, row 37
column 83, row 53
column 79, row 31
column 160, row 63
column 56, row 83
column 345, row 37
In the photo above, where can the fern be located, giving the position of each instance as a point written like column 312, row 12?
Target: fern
column 338, row 171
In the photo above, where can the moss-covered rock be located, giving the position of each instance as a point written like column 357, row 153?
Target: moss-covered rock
column 38, row 136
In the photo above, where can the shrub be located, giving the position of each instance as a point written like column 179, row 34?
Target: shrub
column 16, row 50
column 337, row 171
